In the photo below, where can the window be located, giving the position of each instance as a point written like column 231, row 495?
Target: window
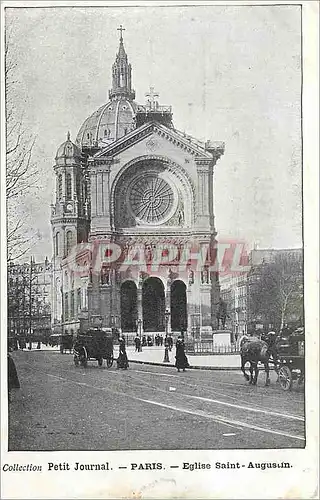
column 68, row 187
column 72, row 305
column 66, row 306
column 57, row 244
column 78, row 305
column 78, row 188
column 69, row 241
column 59, row 186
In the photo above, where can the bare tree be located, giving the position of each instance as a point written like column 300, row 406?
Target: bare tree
column 21, row 172
column 276, row 290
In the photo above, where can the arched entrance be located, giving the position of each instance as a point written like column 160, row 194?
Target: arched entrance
column 128, row 301
column 153, row 305
column 178, row 306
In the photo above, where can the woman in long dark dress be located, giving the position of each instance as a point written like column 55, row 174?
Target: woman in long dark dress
column 122, row 361
column 13, row 379
column 181, row 358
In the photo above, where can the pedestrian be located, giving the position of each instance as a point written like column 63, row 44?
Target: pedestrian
column 181, row 358
column 144, row 341
column 170, row 342
column 137, row 342
column 13, row 379
column 122, row 361
column 161, row 340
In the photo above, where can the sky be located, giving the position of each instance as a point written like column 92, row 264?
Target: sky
column 231, row 73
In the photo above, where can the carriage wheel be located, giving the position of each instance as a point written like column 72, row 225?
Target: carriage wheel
column 100, row 361
column 109, row 361
column 285, row 378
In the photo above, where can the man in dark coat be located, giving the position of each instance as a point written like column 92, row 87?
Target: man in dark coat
column 137, row 342
column 181, row 358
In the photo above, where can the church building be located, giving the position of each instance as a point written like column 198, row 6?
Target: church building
column 133, row 196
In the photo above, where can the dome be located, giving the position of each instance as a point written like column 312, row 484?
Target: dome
column 110, row 122
column 68, row 152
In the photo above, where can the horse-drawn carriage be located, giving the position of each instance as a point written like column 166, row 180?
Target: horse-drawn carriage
column 93, row 344
column 285, row 352
column 289, row 361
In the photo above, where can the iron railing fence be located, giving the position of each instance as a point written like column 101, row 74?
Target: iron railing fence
column 192, row 346
column 209, row 347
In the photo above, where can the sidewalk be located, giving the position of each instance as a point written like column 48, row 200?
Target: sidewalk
column 155, row 355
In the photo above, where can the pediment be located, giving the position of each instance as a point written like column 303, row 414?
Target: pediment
column 182, row 141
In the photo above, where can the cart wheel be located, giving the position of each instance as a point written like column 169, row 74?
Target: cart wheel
column 100, row 361
column 110, row 362
column 285, row 378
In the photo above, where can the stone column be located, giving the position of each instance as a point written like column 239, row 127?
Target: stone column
column 99, row 177
column 115, row 309
column 106, row 194
column 168, row 303
column 139, row 306
column 211, row 196
column 203, row 192
column 93, row 193
column 102, row 189
column 63, row 185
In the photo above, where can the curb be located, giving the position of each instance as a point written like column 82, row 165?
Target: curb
column 212, row 368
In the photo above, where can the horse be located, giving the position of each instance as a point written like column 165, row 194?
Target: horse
column 253, row 350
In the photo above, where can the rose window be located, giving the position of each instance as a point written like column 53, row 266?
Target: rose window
column 150, row 198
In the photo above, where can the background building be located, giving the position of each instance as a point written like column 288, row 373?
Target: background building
column 234, row 293
column 269, row 295
column 29, row 300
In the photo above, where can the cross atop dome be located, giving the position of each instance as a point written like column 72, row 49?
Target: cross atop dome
column 121, row 29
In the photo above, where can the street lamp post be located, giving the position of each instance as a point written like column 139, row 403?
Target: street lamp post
column 166, row 346
column 167, row 316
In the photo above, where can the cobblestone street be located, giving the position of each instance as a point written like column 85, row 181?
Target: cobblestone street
column 63, row 407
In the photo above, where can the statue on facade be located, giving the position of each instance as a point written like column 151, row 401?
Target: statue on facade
column 105, row 276
column 148, row 253
column 191, row 277
column 181, row 217
column 206, row 275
